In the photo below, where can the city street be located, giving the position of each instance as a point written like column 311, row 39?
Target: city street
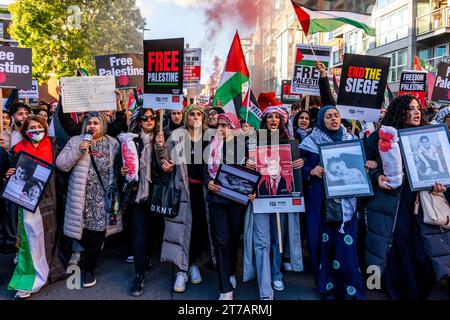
column 114, row 277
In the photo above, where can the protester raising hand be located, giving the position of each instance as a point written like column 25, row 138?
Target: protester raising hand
column 321, row 68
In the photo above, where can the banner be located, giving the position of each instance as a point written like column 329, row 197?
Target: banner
column 33, row 93
column 287, row 97
column 127, row 68
column 306, row 76
column 361, row 91
column 441, row 90
column 192, row 68
column 163, row 73
column 15, row 68
column 85, row 94
column 414, row 82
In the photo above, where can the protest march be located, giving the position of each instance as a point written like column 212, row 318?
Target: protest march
column 328, row 175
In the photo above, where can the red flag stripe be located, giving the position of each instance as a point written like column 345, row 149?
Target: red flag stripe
column 236, row 59
column 303, row 17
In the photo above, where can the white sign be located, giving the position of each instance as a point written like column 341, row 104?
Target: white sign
column 281, row 205
column 30, row 94
column 192, row 68
column 85, row 94
column 306, row 76
column 163, row 101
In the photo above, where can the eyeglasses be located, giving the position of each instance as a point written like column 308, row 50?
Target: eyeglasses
column 146, row 118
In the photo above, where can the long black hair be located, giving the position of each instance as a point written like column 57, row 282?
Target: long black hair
column 397, row 114
column 297, row 116
column 136, row 124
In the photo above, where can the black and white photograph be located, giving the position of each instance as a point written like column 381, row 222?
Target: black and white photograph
column 236, row 182
column 27, row 184
column 427, row 155
column 345, row 174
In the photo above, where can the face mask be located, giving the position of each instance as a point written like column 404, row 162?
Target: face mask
column 36, row 135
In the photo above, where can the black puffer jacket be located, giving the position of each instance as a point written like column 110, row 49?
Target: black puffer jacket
column 382, row 212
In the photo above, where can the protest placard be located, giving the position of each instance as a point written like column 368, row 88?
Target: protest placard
column 287, row 97
column 192, row 68
column 361, row 91
column 441, row 90
column 414, row 82
column 85, row 94
column 15, row 68
column 127, row 68
column 33, row 93
column 306, row 76
column 163, row 73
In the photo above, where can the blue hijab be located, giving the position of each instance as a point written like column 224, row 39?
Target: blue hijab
column 335, row 135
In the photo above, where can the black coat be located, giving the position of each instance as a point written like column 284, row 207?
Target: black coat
column 382, row 212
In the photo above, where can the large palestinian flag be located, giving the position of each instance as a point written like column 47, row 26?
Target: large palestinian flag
column 328, row 15
column 233, row 77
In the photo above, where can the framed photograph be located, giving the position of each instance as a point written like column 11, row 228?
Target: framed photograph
column 344, row 164
column 236, row 182
column 26, row 186
column 280, row 188
column 426, row 155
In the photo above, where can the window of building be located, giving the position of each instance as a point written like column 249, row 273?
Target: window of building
column 399, row 60
column 392, row 27
column 356, row 42
column 1, row 30
column 382, row 3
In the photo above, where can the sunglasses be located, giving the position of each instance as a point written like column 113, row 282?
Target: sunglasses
column 146, row 118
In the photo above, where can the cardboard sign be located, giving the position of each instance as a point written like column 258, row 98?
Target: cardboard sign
column 306, row 76
column 30, row 94
column 192, row 68
column 414, row 82
column 441, row 90
column 163, row 73
column 361, row 91
column 85, row 94
column 15, row 68
column 127, row 68
column 287, row 97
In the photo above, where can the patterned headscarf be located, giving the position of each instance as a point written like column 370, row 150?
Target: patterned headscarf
column 277, row 110
column 231, row 119
column 193, row 107
column 91, row 115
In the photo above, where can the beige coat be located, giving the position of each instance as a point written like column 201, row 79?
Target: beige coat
column 71, row 158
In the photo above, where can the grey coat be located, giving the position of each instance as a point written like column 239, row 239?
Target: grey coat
column 71, row 158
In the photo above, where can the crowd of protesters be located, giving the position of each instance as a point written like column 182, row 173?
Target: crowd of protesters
column 75, row 215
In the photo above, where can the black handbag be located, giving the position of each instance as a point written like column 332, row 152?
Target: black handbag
column 166, row 198
column 333, row 212
column 111, row 196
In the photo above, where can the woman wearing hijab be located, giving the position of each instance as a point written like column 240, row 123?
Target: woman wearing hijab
column 226, row 216
column 332, row 248
column 38, row 260
column 262, row 257
column 94, row 168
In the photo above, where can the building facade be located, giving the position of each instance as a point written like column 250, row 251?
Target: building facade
column 5, row 21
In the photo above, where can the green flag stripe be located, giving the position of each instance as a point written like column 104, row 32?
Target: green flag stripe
column 251, row 118
column 311, row 63
column 327, row 25
column 230, row 89
column 24, row 274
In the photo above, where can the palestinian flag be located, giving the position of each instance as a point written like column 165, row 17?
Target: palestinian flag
column 82, row 72
column 135, row 99
column 325, row 16
column 421, row 65
column 233, row 77
column 32, row 268
column 250, row 111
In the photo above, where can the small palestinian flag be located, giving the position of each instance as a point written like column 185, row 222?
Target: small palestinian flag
column 250, row 111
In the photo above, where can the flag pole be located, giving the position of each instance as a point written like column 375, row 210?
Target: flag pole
column 280, row 244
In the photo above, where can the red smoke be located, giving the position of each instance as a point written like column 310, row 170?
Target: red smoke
column 238, row 12
column 215, row 74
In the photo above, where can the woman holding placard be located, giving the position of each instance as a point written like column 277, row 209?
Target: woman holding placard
column 332, row 247
column 262, row 256
column 411, row 255
column 38, row 260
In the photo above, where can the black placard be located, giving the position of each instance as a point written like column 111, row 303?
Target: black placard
column 127, row 68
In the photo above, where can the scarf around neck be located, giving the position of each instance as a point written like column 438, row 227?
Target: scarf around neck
column 215, row 156
column 43, row 150
column 145, row 171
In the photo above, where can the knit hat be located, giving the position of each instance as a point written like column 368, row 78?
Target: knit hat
column 231, row 119
column 193, row 107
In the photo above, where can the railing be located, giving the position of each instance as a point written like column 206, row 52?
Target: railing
column 432, row 21
column 435, row 61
